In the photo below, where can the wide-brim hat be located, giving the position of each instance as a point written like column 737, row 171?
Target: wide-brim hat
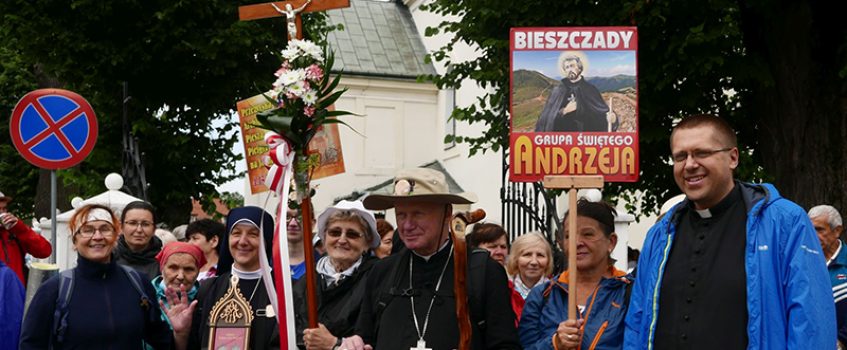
column 356, row 207
column 5, row 198
column 418, row 184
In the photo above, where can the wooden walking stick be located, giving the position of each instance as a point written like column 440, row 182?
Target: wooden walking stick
column 458, row 225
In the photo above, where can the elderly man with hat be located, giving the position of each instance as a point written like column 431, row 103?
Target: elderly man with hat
column 17, row 240
column 410, row 301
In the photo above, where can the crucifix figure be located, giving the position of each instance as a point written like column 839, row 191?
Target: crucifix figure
column 291, row 16
column 291, row 9
column 421, row 346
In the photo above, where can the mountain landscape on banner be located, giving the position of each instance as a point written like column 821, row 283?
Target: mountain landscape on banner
column 530, row 90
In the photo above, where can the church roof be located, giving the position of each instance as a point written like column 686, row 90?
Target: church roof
column 379, row 39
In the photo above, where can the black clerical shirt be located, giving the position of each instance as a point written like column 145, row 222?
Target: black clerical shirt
column 703, row 297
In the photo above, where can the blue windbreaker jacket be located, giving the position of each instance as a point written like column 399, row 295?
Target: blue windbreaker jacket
column 547, row 306
column 789, row 297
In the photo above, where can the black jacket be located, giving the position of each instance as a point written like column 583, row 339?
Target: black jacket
column 338, row 305
column 144, row 261
column 386, row 320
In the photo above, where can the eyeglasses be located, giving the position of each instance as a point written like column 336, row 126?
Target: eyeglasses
column 350, row 234
column 144, row 224
column 681, row 157
column 88, row 231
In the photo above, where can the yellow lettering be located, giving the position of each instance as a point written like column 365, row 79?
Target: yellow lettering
column 628, row 155
column 590, row 168
column 542, row 160
column 559, row 160
column 258, row 150
column 523, row 156
column 603, row 160
column 575, row 161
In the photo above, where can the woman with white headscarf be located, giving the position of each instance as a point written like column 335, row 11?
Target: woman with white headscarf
column 349, row 233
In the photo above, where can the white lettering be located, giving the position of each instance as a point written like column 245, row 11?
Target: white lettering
column 627, row 35
column 520, row 40
column 537, row 40
column 563, row 37
column 600, row 41
column 613, row 40
column 586, row 41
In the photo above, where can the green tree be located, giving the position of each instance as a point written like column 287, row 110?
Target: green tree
column 187, row 62
column 775, row 69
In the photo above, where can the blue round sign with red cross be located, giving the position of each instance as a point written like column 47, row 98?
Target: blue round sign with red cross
column 53, row 128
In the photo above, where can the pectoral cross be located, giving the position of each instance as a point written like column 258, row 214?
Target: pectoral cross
column 291, row 9
column 421, row 346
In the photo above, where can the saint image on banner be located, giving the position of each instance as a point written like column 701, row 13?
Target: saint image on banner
column 575, row 104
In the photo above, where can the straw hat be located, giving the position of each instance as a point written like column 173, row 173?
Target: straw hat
column 418, row 184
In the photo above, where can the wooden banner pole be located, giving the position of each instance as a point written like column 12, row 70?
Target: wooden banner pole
column 572, row 184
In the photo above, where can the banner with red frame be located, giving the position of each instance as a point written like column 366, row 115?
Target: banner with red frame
column 573, row 101
column 326, row 142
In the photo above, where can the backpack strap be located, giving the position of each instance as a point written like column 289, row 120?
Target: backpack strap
column 477, row 261
column 60, row 315
column 386, row 296
column 135, row 279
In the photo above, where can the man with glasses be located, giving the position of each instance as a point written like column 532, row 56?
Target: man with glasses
column 734, row 266
column 17, row 240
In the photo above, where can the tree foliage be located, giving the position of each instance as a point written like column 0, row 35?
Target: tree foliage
column 737, row 59
column 187, row 62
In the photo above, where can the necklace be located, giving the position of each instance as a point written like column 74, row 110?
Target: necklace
column 422, row 331
column 254, row 290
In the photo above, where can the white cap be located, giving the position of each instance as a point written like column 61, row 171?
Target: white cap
column 357, row 207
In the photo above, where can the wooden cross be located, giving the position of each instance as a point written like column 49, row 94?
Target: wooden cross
column 291, row 9
column 572, row 184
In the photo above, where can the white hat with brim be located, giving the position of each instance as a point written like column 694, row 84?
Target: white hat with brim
column 418, row 185
column 5, row 198
column 359, row 209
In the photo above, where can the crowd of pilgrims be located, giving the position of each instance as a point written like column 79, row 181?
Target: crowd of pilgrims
column 734, row 258
column 105, row 307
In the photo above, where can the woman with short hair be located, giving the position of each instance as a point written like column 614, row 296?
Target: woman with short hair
column 528, row 265
column 600, row 291
column 102, row 304
column 138, row 244
column 491, row 237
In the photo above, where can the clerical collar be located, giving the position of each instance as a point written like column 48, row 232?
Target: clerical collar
column 718, row 209
column 427, row 257
column 251, row 275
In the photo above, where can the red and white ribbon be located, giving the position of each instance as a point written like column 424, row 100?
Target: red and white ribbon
column 278, row 180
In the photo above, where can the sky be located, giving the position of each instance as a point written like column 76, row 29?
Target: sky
column 236, row 185
column 600, row 63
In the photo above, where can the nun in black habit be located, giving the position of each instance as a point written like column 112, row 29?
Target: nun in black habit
column 239, row 255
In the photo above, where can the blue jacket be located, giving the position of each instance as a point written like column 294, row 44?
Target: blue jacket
column 105, row 312
column 547, row 306
column 838, row 277
column 788, row 304
column 11, row 307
